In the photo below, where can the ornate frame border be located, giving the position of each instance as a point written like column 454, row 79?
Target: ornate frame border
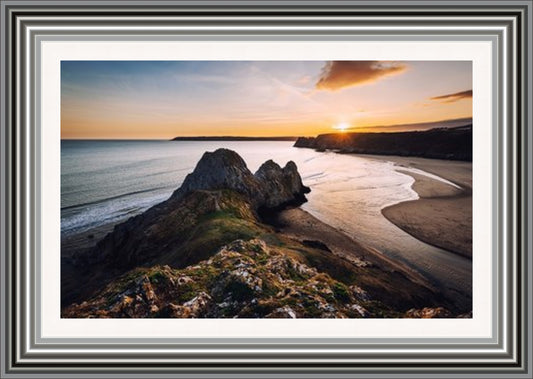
column 507, row 25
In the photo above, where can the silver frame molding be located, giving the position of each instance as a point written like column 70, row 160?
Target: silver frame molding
column 25, row 25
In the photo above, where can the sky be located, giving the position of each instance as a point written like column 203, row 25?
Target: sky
column 165, row 99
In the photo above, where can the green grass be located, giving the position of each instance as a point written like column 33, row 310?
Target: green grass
column 210, row 235
column 341, row 292
column 157, row 277
column 188, row 292
column 220, row 215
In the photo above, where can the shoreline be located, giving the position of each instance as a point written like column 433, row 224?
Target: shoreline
column 442, row 216
column 298, row 224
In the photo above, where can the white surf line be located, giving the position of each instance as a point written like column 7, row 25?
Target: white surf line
column 427, row 174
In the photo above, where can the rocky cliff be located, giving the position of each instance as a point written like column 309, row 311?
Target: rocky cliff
column 439, row 143
column 159, row 229
column 171, row 232
column 270, row 187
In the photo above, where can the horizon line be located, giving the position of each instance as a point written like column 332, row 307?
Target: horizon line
column 349, row 130
column 172, row 138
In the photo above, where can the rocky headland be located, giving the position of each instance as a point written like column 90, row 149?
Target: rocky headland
column 438, row 143
column 217, row 248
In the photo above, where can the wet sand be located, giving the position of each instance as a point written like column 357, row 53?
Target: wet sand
column 298, row 224
column 448, row 275
column 386, row 279
column 442, row 216
column 84, row 240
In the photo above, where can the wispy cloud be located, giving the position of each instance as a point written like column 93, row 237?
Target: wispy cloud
column 303, row 80
column 453, row 97
column 342, row 74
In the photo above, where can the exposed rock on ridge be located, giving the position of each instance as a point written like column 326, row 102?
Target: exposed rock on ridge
column 244, row 279
column 271, row 186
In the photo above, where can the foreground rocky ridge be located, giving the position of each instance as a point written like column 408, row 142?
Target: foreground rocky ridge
column 245, row 279
column 439, row 143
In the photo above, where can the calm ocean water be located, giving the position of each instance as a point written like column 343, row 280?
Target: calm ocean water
column 108, row 181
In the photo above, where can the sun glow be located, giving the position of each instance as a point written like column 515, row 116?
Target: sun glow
column 341, row 126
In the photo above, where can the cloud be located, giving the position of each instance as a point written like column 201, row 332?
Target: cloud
column 453, row 97
column 303, row 80
column 336, row 75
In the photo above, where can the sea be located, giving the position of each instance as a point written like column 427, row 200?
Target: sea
column 106, row 182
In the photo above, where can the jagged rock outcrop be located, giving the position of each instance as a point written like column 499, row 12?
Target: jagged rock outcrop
column 221, row 169
column 244, row 279
column 203, row 192
column 270, row 187
column 217, row 203
column 280, row 186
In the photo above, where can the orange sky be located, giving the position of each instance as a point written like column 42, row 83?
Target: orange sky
column 147, row 100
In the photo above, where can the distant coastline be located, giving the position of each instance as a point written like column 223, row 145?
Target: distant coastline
column 233, row 138
column 438, row 143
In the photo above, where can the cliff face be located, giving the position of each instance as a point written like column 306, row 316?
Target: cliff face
column 305, row 142
column 440, row 143
column 280, row 186
column 270, row 187
column 220, row 181
column 217, row 203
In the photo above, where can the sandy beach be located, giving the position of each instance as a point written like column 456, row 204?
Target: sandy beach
column 442, row 216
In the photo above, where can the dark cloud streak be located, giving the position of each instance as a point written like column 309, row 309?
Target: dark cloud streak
column 337, row 75
column 453, row 97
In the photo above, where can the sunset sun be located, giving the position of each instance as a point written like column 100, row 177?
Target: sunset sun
column 342, row 126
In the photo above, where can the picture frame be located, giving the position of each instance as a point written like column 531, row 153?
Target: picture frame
column 30, row 28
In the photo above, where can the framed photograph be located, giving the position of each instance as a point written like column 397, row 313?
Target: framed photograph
column 266, row 189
